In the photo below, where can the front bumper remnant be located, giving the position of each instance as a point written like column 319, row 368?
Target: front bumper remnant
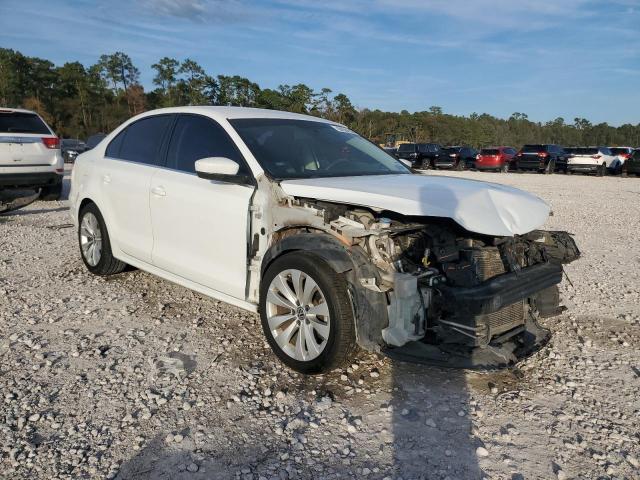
column 502, row 353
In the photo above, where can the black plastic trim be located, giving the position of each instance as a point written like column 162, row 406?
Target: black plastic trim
column 501, row 291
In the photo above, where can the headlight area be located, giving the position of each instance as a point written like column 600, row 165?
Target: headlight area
column 459, row 300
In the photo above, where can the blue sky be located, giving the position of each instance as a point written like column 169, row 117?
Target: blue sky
column 569, row 58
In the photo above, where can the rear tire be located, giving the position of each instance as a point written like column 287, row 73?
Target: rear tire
column 51, row 193
column 306, row 342
column 92, row 231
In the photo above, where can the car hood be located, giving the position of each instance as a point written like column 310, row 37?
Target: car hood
column 481, row 207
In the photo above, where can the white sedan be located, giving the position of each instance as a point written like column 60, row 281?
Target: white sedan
column 333, row 241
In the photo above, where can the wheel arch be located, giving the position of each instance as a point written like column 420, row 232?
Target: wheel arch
column 369, row 307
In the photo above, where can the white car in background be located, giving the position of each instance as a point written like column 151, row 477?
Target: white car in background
column 598, row 160
column 30, row 155
column 333, row 241
column 621, row 154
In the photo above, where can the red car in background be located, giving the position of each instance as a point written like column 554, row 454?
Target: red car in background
column 495, row 158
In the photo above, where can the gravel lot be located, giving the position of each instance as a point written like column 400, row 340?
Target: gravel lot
column 132, row 377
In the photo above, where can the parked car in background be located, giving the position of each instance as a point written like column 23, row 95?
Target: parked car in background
column 462, row 157
column 71, row 148
column 332, row 241
column 621, row 154
column 421, row 155
column 543, row 158
column 94, row 140
column 632, row 165
column 30, row 155
column 495, row 158
column 596, row 160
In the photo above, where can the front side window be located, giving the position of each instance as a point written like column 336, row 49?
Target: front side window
column 294, row 149
column 195, row 137
column 140, row 141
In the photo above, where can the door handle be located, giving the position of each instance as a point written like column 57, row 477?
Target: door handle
column 158, row 191
column 106, row 179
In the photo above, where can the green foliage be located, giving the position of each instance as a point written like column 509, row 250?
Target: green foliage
column 80, row 101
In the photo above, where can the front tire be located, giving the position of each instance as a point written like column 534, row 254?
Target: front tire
column 306, row 313
column 95, row 246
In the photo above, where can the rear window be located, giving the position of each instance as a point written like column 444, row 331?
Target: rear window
column 619, row 150
column 489, row 151
column 407, row 147
column 585, row 151
column 21, row 122
column 534, row 148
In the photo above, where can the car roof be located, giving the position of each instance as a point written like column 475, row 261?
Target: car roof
column 232, row 113
column 19, row 110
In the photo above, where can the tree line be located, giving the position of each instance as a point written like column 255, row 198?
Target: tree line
column 78, row 101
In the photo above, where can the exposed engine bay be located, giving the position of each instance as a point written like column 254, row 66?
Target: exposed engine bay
column 427, row 290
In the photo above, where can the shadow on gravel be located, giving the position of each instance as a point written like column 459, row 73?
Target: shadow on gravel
column 20, row 213
column 431, row 424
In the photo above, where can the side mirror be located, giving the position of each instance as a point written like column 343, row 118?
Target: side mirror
column 221, row 169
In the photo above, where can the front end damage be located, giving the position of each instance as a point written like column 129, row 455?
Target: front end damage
column 426, row 290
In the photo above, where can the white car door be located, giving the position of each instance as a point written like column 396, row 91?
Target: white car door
column 200, row 227
column 125, row 175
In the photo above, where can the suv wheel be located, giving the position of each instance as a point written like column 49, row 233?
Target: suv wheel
column 602, row 170
column 51, row 193
column 306, row 313
column 95, row 246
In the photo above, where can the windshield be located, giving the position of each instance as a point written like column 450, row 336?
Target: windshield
column 21, row 122
column 292, row 149
column 407, row 147
column 620, row 150
column 534, row 148
column 586, row 151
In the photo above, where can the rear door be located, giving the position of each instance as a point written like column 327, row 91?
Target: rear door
column 125, row 175
column 26, row 141
column 201, row 227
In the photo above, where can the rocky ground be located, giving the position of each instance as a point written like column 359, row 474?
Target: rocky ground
column 132, row 377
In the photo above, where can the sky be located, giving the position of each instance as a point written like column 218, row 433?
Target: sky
column 545, row 58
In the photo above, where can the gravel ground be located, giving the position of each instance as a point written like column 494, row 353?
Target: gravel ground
column 132, row 377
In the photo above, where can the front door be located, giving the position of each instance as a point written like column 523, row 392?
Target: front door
column 201, row 227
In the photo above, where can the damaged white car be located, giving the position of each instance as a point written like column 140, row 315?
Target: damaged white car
column 334, row 242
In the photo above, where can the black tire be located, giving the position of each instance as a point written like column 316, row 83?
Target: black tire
column 602, row 170
column 108, row 264
column 341, row 341
column 51, row 193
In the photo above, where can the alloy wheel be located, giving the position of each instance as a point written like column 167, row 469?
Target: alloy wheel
column 90, row 239
column 298, row 315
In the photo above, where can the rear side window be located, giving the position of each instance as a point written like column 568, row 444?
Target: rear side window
column 195, row 137
column 422, row 148
column 140, row 141
column 22, row 122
